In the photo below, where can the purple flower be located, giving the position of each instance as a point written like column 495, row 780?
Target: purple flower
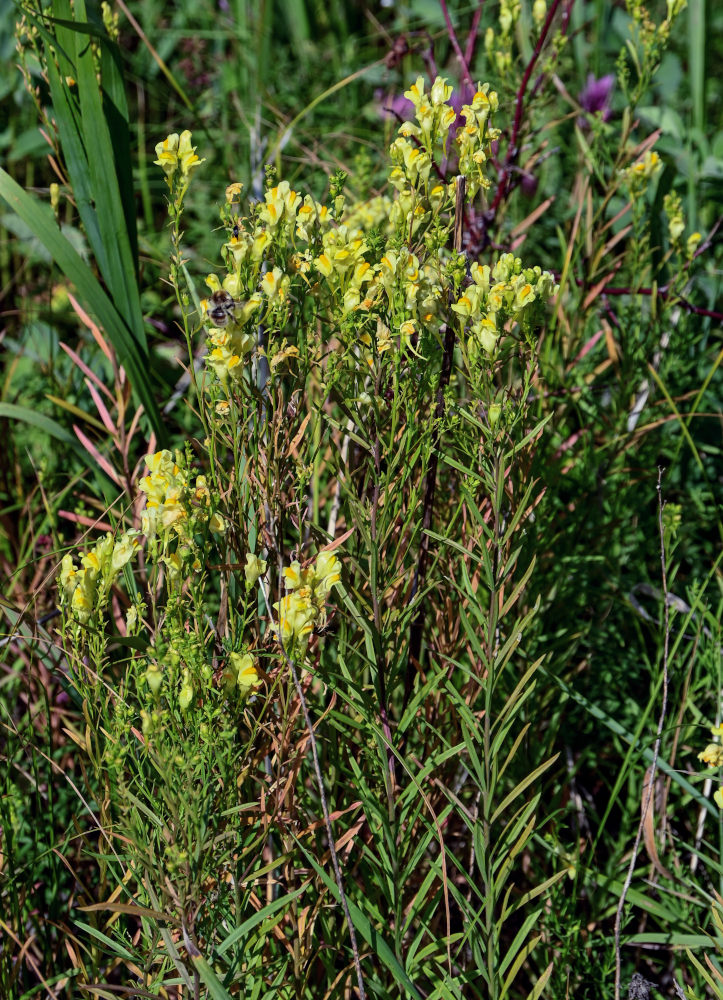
column 397, row 107
column 596, row 94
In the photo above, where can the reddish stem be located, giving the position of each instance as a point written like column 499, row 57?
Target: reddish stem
column 455, row 43
column 519, row 104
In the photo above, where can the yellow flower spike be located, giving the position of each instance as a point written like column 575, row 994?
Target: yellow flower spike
column 717, row 730
column 83, row 599
column 718, row 798
column 296, row 617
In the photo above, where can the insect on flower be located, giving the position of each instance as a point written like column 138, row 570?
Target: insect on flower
column 221, row 307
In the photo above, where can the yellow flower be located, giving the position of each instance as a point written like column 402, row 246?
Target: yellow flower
column 296, row 617
column 167, row 153
column 83, row 598
column 254, row 569
column 217, row 523
column 712, row 755
column 244, row 670
column 68, row 576
column 185, row 695
column 327, row 573
column 407, row 331
column 233, row 192
column 187, row 154
column 294, row 576
column 539, row 12
column 274, row 284
column 123, row 551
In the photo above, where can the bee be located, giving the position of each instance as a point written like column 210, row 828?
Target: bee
column 221, row 307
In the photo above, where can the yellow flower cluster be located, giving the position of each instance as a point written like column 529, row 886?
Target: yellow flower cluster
column 303, row 608
column 506, row 292
column 434, row 118
column 229, row 342
column 291, row 246
column 712, row 756
column 642, row 171
column 173, row 505
column 474, row 139
column 176, row 153
column 85, row 588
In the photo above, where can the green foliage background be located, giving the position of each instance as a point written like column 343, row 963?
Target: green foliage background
column 299, row 85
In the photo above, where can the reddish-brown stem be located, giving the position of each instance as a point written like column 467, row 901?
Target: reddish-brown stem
column 455, row 44
column 519, row 105
column 663, row 291
column 472, row 36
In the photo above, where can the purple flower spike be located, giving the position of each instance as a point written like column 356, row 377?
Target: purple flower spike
column 596, row 94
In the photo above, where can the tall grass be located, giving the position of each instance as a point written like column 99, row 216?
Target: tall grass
column 511, row 682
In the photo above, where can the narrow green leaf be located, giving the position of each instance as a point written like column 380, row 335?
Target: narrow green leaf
column 716, row 987
column 673, row 940
column 40, row 219
column 361, row 923
column 210, row 979
column 522, row 786
column 517, row 964
column 263, row 914
column 113, row 946
column 536, row 991
column 519, row 940
column 45, row 424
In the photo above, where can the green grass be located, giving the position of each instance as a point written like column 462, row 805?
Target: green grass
column 486, row 691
